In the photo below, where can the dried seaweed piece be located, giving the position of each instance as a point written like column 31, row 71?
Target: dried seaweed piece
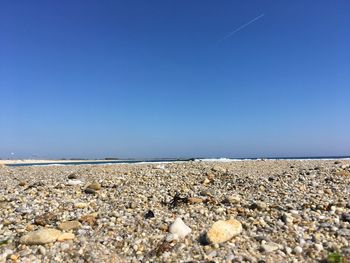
column 177, row 200
column 4, row 242
column 149, row 214
column 162, row 247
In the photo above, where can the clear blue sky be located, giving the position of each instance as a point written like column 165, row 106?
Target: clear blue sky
column 155, row 79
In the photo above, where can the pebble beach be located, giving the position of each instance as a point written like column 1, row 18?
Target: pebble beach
column 196, row 211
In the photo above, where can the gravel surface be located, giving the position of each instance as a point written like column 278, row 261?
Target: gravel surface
column 283, row 211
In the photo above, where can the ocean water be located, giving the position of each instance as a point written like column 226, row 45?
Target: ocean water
column 134, row 161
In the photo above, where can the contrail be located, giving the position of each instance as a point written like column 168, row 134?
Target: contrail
column 241, row 27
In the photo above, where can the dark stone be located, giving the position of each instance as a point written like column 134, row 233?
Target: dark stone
column 344, row 232
column 149, row 214
column 72, row 176
column 90, row 191
column 345, row 217
column 203, row 240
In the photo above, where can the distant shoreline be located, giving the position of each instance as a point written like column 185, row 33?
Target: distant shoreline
column 29, row 162
column 24, row 161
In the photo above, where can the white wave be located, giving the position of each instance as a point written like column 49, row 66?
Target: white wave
column 153, row 162
column 219, row 160
column 43, row 164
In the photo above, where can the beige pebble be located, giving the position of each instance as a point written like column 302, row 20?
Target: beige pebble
column 65, row 236
column 40, row 237
column 69, row 225
column 222, row 231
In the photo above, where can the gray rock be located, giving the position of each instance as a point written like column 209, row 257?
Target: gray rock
column 344, row 232
column 269, row 247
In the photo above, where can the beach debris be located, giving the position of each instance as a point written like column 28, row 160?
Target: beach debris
column 40, row 237
column 4, row 242
column 335, row 257
column 177, row 200
column 34, row 185
column 22, row 183
column 162, row 247
column 222, row 231
column 45, row 219
column 149, row 214
column 179, row 229
column 69, row 225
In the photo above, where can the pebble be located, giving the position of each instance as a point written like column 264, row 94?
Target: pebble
column 149, row 214
column 288, row 250
column 90, row 219
column 259, row 205
column 297, row 250
column 170, row 237
column 270, row 247
column 72, row 176
column 40, row 237
column 232, row 199
column 42, row 250
column 179, row 228
column 287, row 218
column 319, row 247
column 81, row 205
column 345, row 217
column 195, row 200
column 65, row 236
column 94, row 186
column 74, row 182
column 69, row 225
column 222, row 231
column 344, row 232
column 90, row 191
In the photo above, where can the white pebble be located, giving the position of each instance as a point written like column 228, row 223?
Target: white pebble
column 297, row 250
column 179, row 228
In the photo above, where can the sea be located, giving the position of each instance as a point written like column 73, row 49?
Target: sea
column 166, row 160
